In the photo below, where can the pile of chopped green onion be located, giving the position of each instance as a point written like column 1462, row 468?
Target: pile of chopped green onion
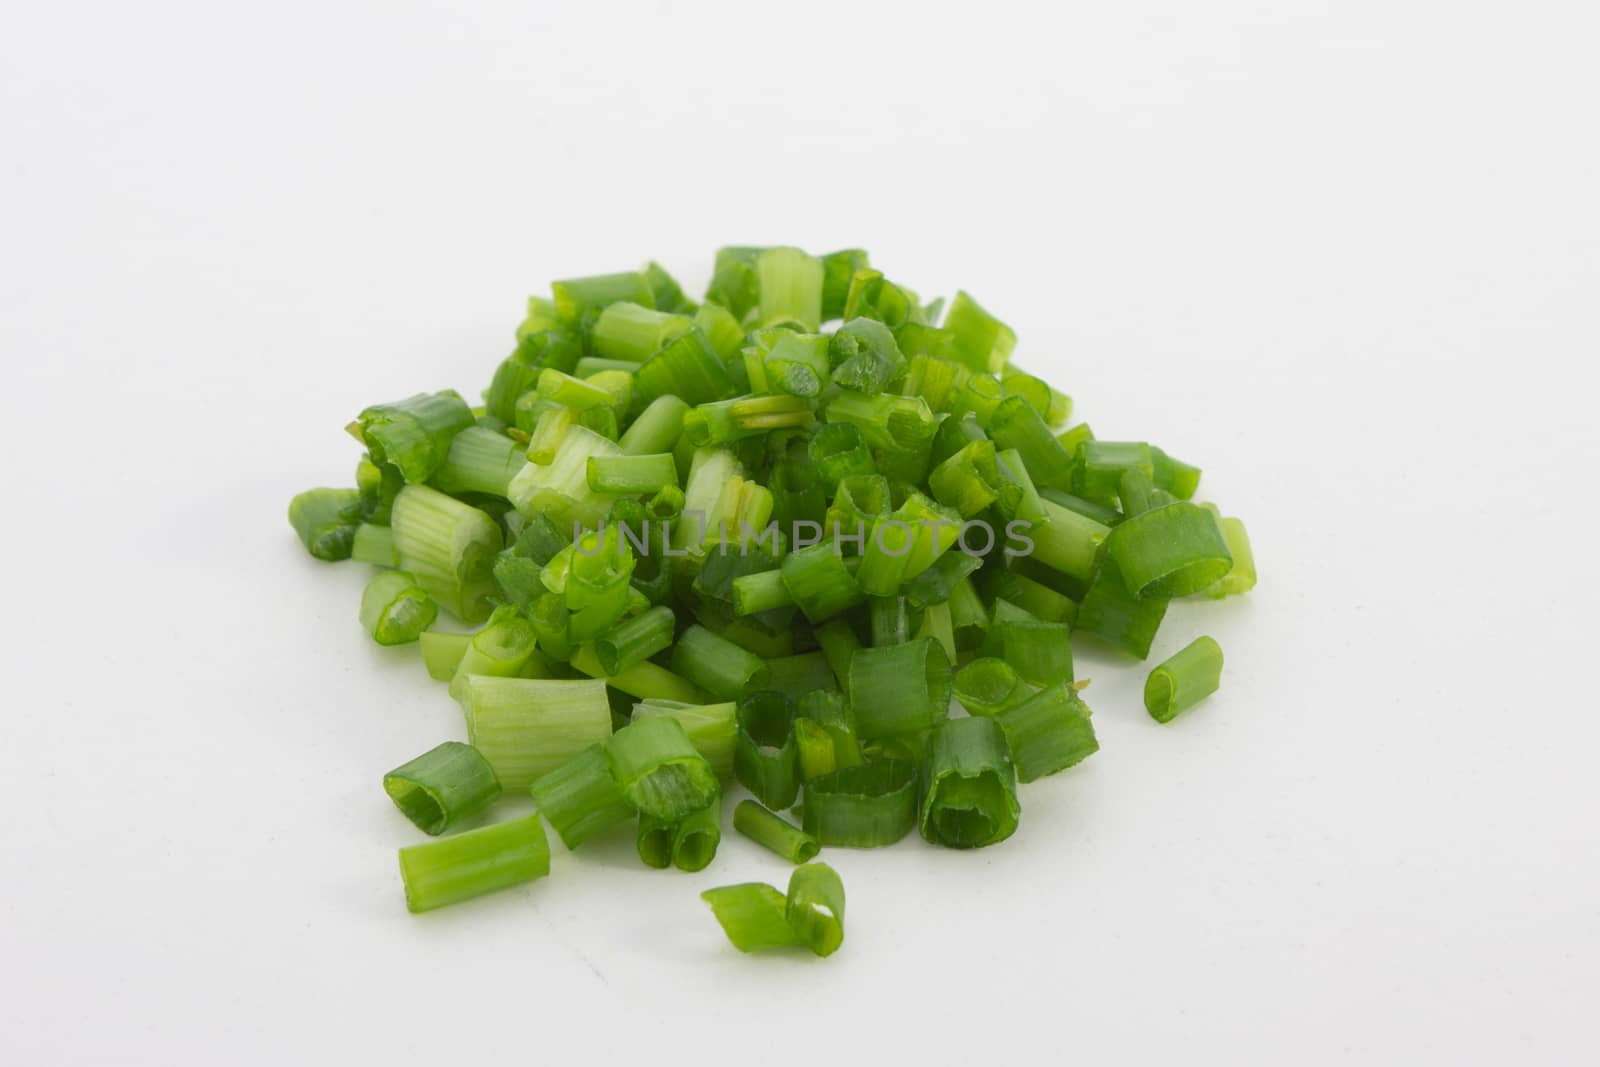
column 715, row 542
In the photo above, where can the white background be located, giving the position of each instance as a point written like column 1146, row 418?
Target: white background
column 1345, row 256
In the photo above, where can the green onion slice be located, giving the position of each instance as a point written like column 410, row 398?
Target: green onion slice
column 442, row 787
column 659, row 770
column 868, row 806
column 468, row 865
column 1185, row 679
column 970, row 796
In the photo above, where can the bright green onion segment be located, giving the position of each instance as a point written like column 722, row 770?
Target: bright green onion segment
column 756, row 916
column 758, row 543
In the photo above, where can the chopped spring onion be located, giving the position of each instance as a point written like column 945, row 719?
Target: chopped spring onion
column 442, row 652
column 581, row 798
column 632, row 333
column 816, row 907
column 899, row 689
column 635, row 640
column 325, row 521
column 1170, row 551
column 970, row 796
column 1182, row 681
column 774, row 833
column 375, row 545
column 450, row 547
column 527, row 727
column 866, row 806
column 712, row 728
column 756, row 916
column 673, row 525
column 696, row 836
column 659, row 770
column 395, row 609
column 630, row 475
column 766, row 758
column 442, row 787
column 1039, row 652
column 1048, row 732
column 716, row 664
column 988, row 686
column 414, row 434
column 453, row 869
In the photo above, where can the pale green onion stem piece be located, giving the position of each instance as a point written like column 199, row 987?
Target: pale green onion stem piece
column 457, row 868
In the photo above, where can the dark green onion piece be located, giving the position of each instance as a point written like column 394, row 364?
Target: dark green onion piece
column 1169, row 551
column 938, row 583
column 635, row 640
column 696, row 837
column 1100, row 466
column 828, row 710
column 867, row 806
column 1105, row 516
column 653, row 841
column 815, row 907
column 469, row 865
column 443, row 786
column 970, row 796
column 414, row 434
column 774, row 833
column 888, row 621
column 581, row 798
column 988, row 686
column 716, row 664
column 325, row 520
column 1185, row 679
column 1116, row 616
column 899, row 689
column 839, row 643
column 659, row 769
column 1040, row 652
column 766, row 758
column 394, row 609
column 797, row 675
column 1049, row 732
